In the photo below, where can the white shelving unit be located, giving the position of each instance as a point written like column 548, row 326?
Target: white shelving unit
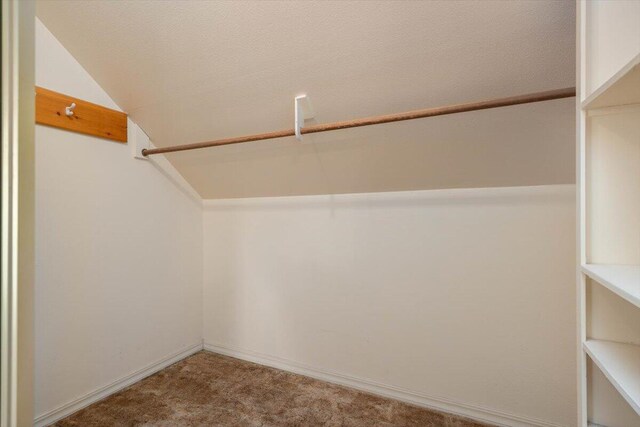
column 608, row 150
column 620, row 363
column 621, row 89
column 623, row 280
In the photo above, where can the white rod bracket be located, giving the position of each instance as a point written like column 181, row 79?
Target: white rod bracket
column 303, row 111
column 138, row 140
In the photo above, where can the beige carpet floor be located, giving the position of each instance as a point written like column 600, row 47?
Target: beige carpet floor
column 207, row 389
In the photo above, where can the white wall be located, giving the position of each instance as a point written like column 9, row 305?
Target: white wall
column 118, row 252
column 445, row 297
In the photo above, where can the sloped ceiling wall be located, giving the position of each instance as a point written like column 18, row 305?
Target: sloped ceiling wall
column 191, row 71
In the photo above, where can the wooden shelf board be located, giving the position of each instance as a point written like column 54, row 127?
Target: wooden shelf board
column 623, row 88
column 623, row 280
column 620, row 363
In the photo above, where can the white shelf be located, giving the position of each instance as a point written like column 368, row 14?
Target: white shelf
column 623, row 88
column 623, row 280
column 620, row 363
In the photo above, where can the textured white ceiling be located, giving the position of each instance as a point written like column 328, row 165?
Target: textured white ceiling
column 189, row 71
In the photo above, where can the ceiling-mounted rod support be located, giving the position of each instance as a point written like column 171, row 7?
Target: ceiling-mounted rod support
column 303, row 111
column 376, row 120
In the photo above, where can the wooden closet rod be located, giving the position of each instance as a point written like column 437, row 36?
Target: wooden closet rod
column 376, row 120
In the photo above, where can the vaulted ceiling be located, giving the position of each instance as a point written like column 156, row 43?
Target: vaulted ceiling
column 190, row 71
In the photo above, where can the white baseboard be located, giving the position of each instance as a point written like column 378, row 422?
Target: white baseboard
column 444, row 405
column 86, row 400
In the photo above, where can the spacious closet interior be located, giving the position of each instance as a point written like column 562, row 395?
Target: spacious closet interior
column 344, row 213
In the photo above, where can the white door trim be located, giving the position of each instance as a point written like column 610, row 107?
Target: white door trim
column 17, row 157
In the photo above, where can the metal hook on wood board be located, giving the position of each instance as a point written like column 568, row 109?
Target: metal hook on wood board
column 69, row 110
